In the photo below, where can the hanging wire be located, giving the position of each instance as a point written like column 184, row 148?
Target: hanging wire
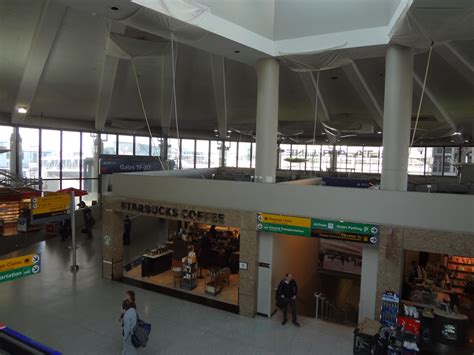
column 315, row 118
column 144, row 111
column 422, row 94
column 173, row 67
column 316, row 108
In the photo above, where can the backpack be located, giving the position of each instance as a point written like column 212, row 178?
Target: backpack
column 140, row 334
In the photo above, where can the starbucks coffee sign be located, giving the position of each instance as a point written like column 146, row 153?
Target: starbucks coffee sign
column 164, row 211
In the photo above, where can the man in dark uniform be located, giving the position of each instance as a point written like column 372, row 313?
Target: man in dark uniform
column 127, row 226
column 286, row 296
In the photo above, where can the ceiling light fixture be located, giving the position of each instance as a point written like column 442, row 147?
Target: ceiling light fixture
column 22, row 110
column 236, row 51
column 114, row 8
column 216, row 130
column 379, row 132
column 229, row 131
column 334, row 77
column 466, row 141
column 457, row 133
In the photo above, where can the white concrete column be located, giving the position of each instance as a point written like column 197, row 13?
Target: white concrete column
column 16, row 156
column 397, row 117
column 396, row 141
column 268, row 72
column 368, row 282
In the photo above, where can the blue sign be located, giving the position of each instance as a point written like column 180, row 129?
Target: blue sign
column 346, row 182
column 111, row 165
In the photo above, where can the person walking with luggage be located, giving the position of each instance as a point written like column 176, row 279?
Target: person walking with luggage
column 127, row 226
column 286, row 296
column 129, row 321
column 89, row 220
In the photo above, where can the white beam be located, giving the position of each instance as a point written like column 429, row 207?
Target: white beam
column 457, row 61
column 109, row 72
column 40, row 49
column 444, row 115
column 219, row 85
column 359, row 83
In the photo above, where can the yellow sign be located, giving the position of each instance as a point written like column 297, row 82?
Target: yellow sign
column 50, row 204
column 16, row 263
column 284, row 220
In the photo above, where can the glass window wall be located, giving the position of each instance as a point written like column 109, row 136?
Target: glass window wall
column 371, row 162
column 285, row 156
column 254, row 152
column 50, row 154
column 142, row 146
column 313, row 155
column 298, row 157
column 5, row 135
column 71, row 154
column 451, row 161
column 90, row 156
column 187, row 154
column 354, row 159
column 156, row 146
column 245, row 157
column 434, row 161
column 216, row 154
column 173, row 153
column 109, row 143
column 231, row 154
column 416, row 161
column 202, row 154
column 327, row 154
column 125, row 146
column 30, row 152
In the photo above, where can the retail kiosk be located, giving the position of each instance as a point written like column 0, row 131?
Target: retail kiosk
column 199, row 254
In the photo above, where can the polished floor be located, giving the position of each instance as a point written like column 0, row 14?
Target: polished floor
column 229, row 293
column 78, row 314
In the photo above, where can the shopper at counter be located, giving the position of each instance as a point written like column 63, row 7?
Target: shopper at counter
column 442, row 278
column 416, row 272
column 286, row 292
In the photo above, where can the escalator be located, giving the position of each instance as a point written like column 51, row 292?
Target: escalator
column 15, row 343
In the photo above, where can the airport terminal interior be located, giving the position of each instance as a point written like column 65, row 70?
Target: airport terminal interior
column 237, row 177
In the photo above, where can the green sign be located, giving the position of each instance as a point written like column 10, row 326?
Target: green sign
column 284, row 229
column 344, row 227
column 19, row 273
column 16, row 268
column 319, row 228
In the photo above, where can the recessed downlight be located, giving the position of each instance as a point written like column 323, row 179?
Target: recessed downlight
column 236, row 51
column 21, row 110
column 334, row 77
column 114, row 8
column 379, row 132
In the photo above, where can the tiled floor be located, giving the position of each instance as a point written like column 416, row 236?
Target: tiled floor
column 229, row 293
column 78, row 314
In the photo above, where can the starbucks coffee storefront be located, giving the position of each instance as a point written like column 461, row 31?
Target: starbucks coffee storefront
column 197, row 253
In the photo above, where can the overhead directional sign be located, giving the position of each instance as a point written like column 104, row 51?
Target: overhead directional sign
column 15, row 268
column 319, row 228
column 284, row 224
column 50, row 208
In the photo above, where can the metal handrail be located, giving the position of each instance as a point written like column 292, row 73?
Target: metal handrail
column 7, row 179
